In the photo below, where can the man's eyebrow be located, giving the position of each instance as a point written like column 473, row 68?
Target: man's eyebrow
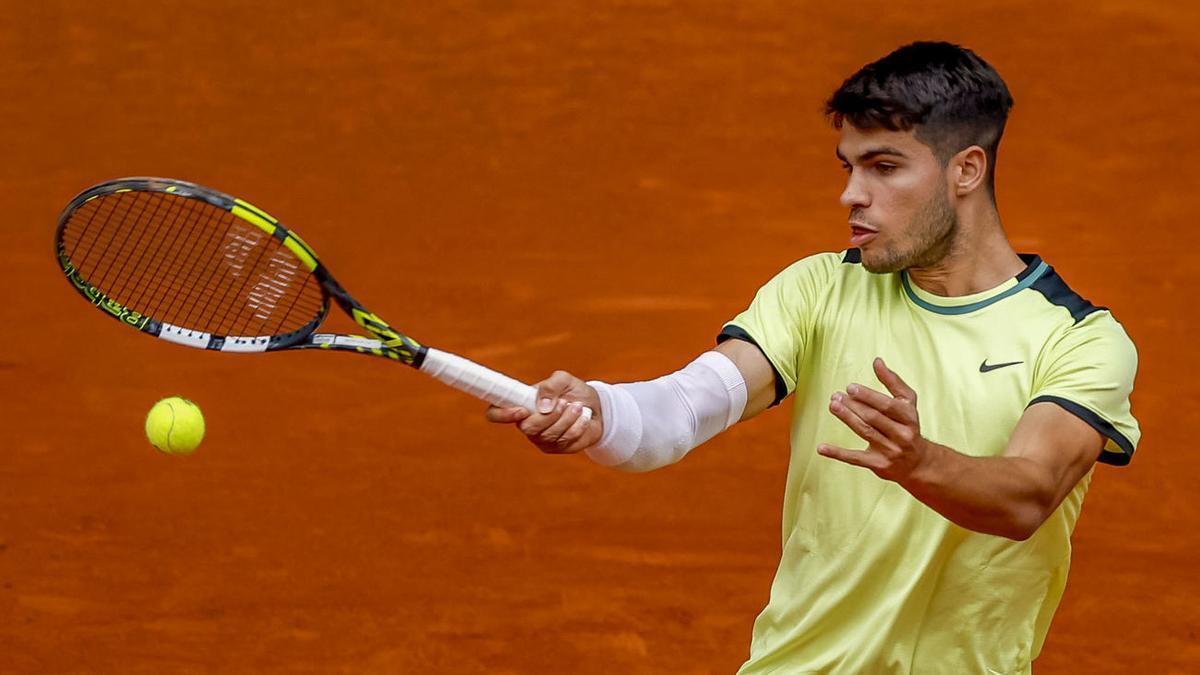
column 873, row 153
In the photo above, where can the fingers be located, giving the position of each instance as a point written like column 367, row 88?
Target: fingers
column 535, row 424
column 505, row 415
column 892, row 381
column 553, row 387
column 888, row 424
column 577, row 437
column 558, row 425
column 555, row 437
column 863, row 458
column 897, row 409
column 862, row 420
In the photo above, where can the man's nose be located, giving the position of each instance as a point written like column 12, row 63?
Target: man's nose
column 854, row 195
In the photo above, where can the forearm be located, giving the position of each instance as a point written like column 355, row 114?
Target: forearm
column 1048, row 453
column 1005, row 496
column 651, row 424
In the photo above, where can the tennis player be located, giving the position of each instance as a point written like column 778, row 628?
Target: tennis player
column 950, row 399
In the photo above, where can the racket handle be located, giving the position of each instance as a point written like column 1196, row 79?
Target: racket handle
column 481, row 382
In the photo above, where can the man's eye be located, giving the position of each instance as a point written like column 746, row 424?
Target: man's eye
column 885, row 168
column 846, row 168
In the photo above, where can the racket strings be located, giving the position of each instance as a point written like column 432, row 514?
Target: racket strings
column 151, row 278
column 308, row 279
column 191, row 264
column 228, row 311
column 203, row 278
column 129, row 281
column 152, row 270
column 98, row 236
column 125, row 262
column 203, row 260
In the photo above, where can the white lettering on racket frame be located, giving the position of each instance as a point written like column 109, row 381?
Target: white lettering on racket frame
column 183, row 336
column 346, row 341
column 246, row 344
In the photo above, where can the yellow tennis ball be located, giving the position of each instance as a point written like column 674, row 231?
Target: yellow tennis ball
column 175, row 425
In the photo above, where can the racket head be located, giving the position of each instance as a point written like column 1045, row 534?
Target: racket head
column 191, row 265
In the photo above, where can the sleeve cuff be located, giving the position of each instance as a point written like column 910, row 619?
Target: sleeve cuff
column 1124, row 448
column 732, row 380
column 622, row 422
column 735, row 332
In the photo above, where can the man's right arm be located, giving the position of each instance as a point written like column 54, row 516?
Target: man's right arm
column 664, row 418
column 756, row 370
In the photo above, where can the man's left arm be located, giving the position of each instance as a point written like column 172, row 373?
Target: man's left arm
column 1011, row 495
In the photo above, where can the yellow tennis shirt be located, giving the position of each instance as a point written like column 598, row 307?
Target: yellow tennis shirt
column 871, row 580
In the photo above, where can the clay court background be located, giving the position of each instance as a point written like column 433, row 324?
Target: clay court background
column 589, row 186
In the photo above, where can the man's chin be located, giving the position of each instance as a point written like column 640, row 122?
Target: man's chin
column 875, row 263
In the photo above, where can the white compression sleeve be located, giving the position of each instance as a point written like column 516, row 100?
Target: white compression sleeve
column 651, row 424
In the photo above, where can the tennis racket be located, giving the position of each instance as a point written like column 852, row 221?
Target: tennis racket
column 199, row 268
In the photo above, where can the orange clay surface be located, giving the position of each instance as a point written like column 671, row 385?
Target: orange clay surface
column 593, row 186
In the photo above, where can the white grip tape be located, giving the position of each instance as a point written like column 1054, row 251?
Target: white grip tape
column 481, row 382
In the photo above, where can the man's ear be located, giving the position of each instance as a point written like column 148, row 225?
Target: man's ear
column 968, row 170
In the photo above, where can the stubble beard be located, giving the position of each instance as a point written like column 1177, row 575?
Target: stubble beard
column 932, row 234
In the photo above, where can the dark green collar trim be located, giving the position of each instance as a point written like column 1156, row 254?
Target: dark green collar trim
column 1025, row 282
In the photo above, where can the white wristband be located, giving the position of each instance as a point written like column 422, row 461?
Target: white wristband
column 622, row 425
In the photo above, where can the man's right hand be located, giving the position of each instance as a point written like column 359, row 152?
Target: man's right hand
column 557, row 426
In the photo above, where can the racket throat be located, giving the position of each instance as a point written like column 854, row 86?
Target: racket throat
column 419, row 357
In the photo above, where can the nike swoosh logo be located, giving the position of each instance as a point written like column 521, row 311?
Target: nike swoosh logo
column 985, row 368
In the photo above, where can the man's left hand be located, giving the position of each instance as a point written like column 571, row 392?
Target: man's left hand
column 889, row 425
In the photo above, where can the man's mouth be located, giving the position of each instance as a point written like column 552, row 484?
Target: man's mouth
column 861, row 234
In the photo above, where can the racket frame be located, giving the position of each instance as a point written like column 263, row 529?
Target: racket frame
column 384, row 341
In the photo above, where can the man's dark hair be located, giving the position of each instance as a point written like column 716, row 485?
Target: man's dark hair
column 950, row 97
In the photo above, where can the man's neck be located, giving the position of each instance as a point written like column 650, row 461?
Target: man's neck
column 980, row 259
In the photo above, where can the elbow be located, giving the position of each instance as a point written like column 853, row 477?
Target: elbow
column 1019, row 532
column 1024, row 521
column 634, row 466
column 1027, row 513
column 644, row 461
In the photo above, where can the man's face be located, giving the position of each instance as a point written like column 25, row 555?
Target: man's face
column 896, row 190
